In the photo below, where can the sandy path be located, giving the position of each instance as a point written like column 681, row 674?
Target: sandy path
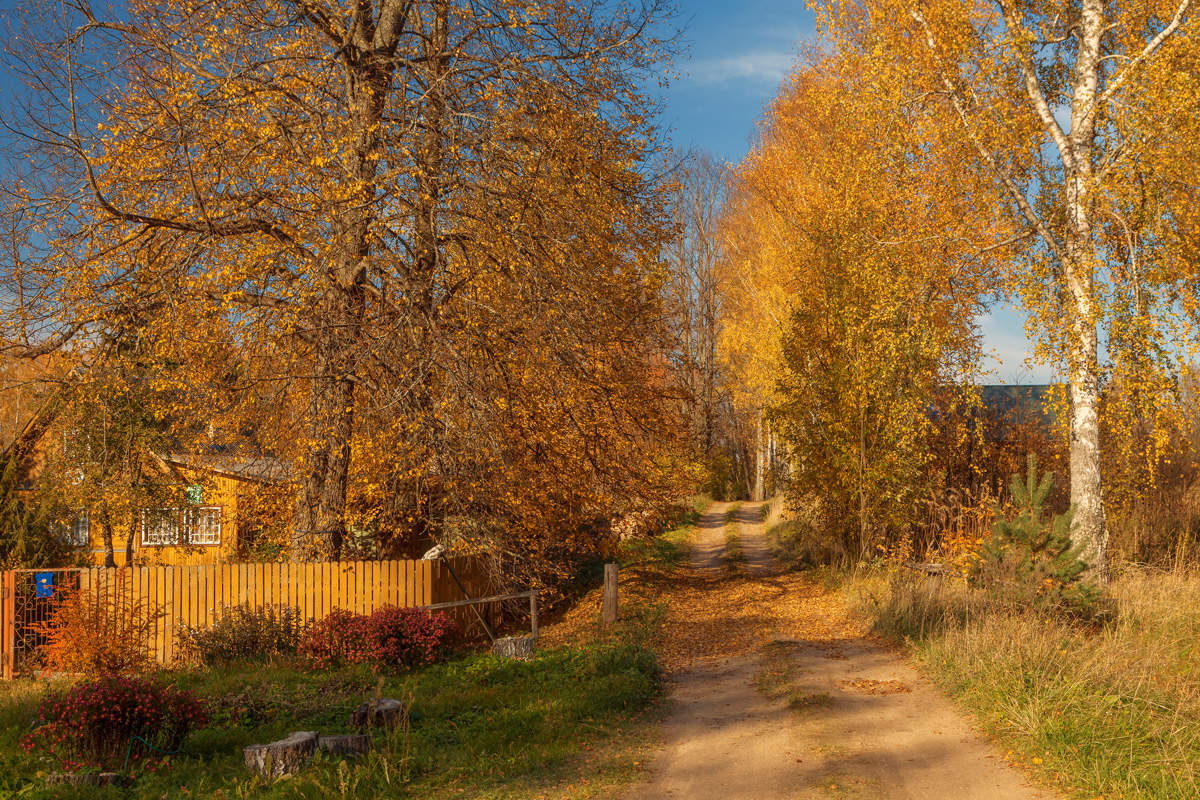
column 810, row 716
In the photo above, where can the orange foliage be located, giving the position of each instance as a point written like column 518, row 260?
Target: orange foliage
column 99, row 630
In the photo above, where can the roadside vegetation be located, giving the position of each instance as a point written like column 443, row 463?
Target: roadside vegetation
column 572, row 722
column 1103, row 710
column 477, row 726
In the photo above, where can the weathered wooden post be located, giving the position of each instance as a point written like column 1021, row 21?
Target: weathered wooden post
column 533, row 620
column 608, row 607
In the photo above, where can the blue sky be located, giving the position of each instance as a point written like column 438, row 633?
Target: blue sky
column 733, row 62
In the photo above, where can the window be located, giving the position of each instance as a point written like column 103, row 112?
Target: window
column 202, row 525
column 192, row 525
column 160, row 526
column 77, row 532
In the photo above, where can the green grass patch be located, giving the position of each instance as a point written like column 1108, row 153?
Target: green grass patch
column 1106, row 710
column 568, row 722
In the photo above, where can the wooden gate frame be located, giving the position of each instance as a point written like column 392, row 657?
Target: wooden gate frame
column 8, row 624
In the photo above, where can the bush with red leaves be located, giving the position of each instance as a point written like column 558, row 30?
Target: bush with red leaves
column 389, row 638
column 105, row 723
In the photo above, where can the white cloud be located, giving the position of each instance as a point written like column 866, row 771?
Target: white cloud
column 756, row 66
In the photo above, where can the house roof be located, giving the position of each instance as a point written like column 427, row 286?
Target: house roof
column 260, row 469
column 1020, row 401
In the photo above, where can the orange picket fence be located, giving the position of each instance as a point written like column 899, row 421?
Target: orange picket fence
column 192, row 595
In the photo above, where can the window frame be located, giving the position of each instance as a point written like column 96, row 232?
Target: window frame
column 69, row 533
column 164, row 514
column 188, row 530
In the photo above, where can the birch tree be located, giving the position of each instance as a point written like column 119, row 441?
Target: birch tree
column 1053, row 103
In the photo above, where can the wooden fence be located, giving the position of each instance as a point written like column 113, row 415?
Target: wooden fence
column 192, row 595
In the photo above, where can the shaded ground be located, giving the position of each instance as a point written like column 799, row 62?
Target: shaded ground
column 777, row 694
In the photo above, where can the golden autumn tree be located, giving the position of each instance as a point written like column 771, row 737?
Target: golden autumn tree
column 1083, row 118
column 376, row 234
column 873, row 318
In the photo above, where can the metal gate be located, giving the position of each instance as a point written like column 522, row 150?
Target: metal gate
column 28, row 598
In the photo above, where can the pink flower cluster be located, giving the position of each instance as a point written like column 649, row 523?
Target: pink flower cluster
column 389, row 638
column 93, row 724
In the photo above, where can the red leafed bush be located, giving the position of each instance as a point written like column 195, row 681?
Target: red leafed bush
column 104, row 724
column 389, row 638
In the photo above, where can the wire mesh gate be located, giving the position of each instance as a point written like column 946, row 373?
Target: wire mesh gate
column 26, row 602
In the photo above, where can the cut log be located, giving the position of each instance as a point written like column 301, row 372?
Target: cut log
column 518, row 647
column 285, row 757
column 382, row 712
column 350, row 744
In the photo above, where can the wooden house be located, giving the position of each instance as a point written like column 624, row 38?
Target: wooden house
column 216, row 520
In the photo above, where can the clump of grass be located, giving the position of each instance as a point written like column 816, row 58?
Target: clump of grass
column 1104, row 709
column 778, row 678
column 803, row 701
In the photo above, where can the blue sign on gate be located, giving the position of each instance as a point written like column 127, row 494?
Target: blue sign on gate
column 45, row 583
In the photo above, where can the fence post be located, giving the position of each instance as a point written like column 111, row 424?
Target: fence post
column 9, row 628
column 608, row 607
column 533, row 620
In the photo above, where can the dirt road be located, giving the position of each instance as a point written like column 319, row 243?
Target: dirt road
column 783, row 699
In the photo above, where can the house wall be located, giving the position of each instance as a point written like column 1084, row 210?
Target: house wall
column 218, row 490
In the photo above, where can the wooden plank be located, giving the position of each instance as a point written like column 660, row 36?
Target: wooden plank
column 495, row 598
column 10, row 624
column 362, row 597
column 286, row 584
column 164, row 621
column 339, row 582
column 210, row 596
column 325, row 587
column 147, row 592
column 306, row 580
column 260, row 585
column 169, row 602
column 243, row 579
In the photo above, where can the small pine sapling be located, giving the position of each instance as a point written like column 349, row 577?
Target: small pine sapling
column 1030, row 561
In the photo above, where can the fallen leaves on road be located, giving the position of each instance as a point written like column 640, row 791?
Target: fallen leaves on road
column 719, row 614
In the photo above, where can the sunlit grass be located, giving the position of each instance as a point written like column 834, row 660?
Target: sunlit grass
column 1107, row 710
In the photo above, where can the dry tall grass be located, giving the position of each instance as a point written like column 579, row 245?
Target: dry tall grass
column 1108, row 710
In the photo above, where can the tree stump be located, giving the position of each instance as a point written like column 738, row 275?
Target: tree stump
column 350, row 744
column 382, row 712
column 284, row 757
column 518, row 647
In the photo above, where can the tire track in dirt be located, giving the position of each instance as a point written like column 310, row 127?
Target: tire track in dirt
column 800, row 705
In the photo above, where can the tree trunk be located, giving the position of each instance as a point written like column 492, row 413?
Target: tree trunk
column 319, row 524
column 758, row 458
column 106, row 536
column 1088, row 532
column 131, row 537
